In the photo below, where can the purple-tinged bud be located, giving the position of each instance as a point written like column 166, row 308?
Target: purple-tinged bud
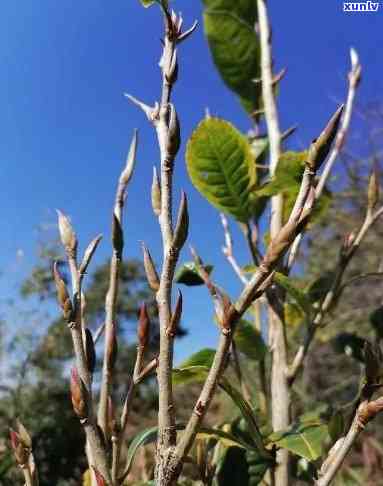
column 182, row 226
column 78, row 395
column 150, row 270
column 62, row 294
column 156, row 193
column 143, row 328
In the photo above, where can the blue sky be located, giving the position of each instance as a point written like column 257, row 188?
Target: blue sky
column 65, row 126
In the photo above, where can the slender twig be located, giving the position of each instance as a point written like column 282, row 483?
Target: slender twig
column 227, row 250
column 280, row 406
column 73, row 314
column 111, row 298
column 165, row 121
column 238, row 371
column 331, row 295
column 28, row 477
column 366, row 412
column 353, row 81
column 255, row 287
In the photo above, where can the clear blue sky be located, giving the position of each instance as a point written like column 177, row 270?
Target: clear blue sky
column 65, row 126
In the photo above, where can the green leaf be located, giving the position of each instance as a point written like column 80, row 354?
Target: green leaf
column 288, row 175
column 248, row 414
column 142, row 438
column 319, row 287
column 229, row 27
column 148, row 3
column 197, row 374
column 295, row 292
column 195, row 368
column 249, row 341
column 336, row 426
column 221, row 166
column 204, row 357
column 191, row 374
column 257, row 467
column 187, row 274
column 149, row 436
column 304, row 439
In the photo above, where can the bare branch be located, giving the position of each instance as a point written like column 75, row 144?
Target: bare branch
column 111, row 298
column 331, row 294
column 227, row 250
column 366, row 412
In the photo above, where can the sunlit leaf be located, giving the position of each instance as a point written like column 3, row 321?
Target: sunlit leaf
column 294, row 292
column 249, row 341
column 221, row 166
column 234, row 44
column 187, row 274
column 304, row 439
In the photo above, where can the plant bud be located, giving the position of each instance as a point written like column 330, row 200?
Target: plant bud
column 99, row 477
column 174, row 138
column 89, row 252
column 321, row 146
column 90, row 352
column 117, row 236
column 111, row 348
column 24, row 436
column 78, row 395
column 21, row 452
column 182, row 226
column 62, row 294
column 156, row 194
column 356, row 69
column 127, row 173
column 150, row 270
column 143, row 328
column 176, row 317
column 347, row 244
column 373, row 188
column 112, row 423
column 67, row 234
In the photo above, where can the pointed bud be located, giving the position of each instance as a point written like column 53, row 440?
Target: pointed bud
column 347, row 244
column 67, row 234
column 156, row 193
column 78, row 395
column 321, row 146
column 62, row 294
column 143, row 328
column 150, row 270
column 182, row 226
column 24, row 436
column 89, row 252
column 21, row 452
column 90, row 351
column 111, row 348
column 174, row 138
column 112, row 423
column 354, row 75
column 100, row 480
column 373, row 188
column 176, row 317
column 127, row 173
column 117, row 236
